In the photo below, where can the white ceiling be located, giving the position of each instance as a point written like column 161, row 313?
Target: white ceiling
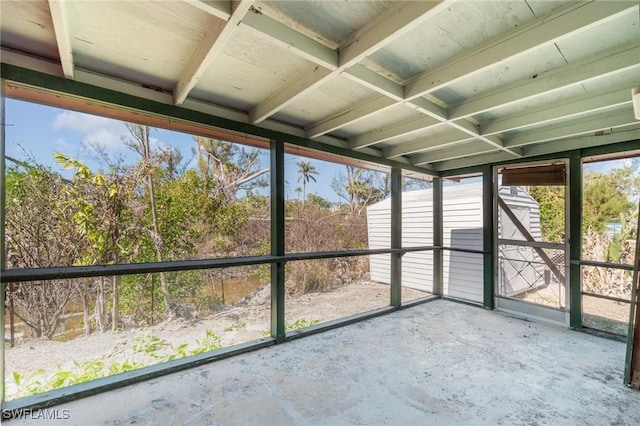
column 439, row 85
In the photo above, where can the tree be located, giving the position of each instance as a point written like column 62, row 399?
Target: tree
column 38, row 235
column 100, row 202
column 318, row 201
column 141, row 144
column 228, row 168
column 306, row 170
column 552, row 211
column 606, row 197
column 361, row 188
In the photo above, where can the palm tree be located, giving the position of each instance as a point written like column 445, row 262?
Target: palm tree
column 306, row 171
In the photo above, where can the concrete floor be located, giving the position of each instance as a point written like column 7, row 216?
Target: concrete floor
column 438, row 363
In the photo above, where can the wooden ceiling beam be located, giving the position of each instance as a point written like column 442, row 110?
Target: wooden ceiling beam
column 63, row 37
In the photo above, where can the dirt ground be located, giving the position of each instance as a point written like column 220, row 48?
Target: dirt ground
column 245, row 321
column 242, row 322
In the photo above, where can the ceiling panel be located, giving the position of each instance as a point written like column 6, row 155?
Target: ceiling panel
column 248, row 70
column 397, row 79
column 149, row 42
column 449, row 33
column 330, row 22
column 27, row 26
column 337, row 94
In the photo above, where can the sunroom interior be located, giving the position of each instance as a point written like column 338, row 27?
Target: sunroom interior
column 478, row 146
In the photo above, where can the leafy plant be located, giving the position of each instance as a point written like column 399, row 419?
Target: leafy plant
column 148, row 344
column 296, row 325
column 300, row 323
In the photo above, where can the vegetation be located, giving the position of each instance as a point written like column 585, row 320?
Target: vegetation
column 607, row 198
column 158, row 207
column 609, row 220
column 145, row 350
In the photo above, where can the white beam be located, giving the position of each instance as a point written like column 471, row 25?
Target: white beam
column 220, row 9
column 305, row 82
column 600, row 66
column 371, row 107
column 450, row 138
column 477, row 160
column 215, row 38
column 563, row 23
column 472, row 130
column 395, row 22
column 19, row 59
column 388, row 26
column 393, row 94
column 566, row 22
column 582, row 142
column 292, row 40
column 562, row 110
column 469, row 149
column 374, row 81
column 573, row 128
column 429, row 108
column 386, row 133
column 63, row 38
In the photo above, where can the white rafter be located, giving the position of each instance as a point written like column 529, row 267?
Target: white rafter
column 387, row 27
column 560, row 78
column 63, row 38
column 453, row 137
column 560, row 24
column 219, row 8
column 583, row 142
column 568, row 21
column 474, row 148
column 477, row 160
column 389, row 132
column 561, row 110
column 574, row 127
column 292, row 40
column 370, row 107
column 214, row 39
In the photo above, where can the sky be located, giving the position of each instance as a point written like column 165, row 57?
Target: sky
column 36, row 131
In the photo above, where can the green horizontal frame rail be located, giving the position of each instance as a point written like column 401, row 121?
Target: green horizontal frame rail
column 38, row 274
column 604, row 296
column 618, row 147
column 598, row 264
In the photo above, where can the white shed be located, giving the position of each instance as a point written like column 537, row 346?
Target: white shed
column 462, row 228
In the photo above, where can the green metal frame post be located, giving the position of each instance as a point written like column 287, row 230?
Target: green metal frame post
column 575, row 240
column 3, row 263
column 277, row 241
column 438, row 223
column 488, row 236
column 396, row 237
